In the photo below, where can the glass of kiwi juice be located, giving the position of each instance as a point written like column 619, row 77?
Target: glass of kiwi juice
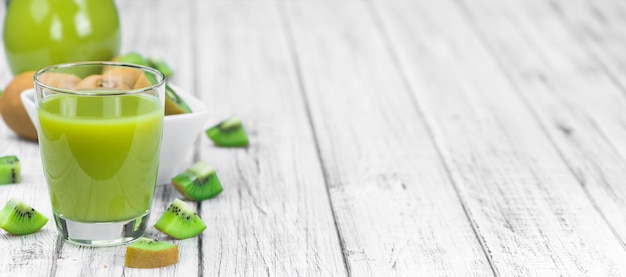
column 99, row 129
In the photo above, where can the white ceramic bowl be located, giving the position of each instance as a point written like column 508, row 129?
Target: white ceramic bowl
column 179, row 132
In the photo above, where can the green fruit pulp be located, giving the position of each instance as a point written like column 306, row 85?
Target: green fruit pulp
column 10, row 170
column 180, row 221
column 134, row 58
column 198, row 189
column 20, row 219
column 230, row 123
column 199, row 182
column 172, row 96
column 229, row 133
column 201, row 170
column 150, row 244
column 100, row 155
column 162, row 66
column 40, row 33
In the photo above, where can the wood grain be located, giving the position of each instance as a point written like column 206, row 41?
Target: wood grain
column 274, row 216
column 396, row 209
column 534, row 217
column 569, row 90
column 388, row 138
column 599, row 29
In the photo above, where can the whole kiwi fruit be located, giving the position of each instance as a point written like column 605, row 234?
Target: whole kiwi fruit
column 11, row 108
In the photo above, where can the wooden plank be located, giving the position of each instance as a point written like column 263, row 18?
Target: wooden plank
column 533, row 216
column 273, row 217
column 147, row 28
column 570, row 91
column 600, row 27
column 31, row 253
column 396, row 209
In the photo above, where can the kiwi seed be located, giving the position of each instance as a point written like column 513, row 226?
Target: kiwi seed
column 180, row 221
column 18, row 218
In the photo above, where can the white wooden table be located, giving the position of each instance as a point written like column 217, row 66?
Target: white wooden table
column 389, row 138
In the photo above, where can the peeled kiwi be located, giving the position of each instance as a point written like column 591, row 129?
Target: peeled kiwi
column 198, row 182
column 150, row 253
column 18, row 218
column 9, row 170
column 180, row 221
column 229, row 133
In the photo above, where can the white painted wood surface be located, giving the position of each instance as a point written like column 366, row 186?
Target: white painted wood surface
column 388, row 138
column 533, row 214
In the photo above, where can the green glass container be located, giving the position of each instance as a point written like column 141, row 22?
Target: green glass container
column 40, row 33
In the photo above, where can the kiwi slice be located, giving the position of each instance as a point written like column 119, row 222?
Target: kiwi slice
column 9, row 170
column 180, row 221
column 174, row 104
column 18, row 218
column 150, row 253
column 198, row 182
column 229, row 133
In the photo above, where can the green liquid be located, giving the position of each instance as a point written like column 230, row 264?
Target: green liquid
column 39, row 33
column 100, row 155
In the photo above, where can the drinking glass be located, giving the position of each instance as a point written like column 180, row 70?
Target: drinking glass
column 100, row 128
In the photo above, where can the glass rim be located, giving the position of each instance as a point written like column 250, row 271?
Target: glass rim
column 160, row 81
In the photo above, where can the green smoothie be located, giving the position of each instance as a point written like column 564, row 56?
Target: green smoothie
column 100, row 154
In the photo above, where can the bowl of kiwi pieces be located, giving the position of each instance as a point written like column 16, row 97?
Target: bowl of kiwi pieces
column 185, row 116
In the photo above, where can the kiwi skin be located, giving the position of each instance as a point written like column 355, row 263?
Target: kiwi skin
column 11, row 109
column 150, row 253
column 174, row 104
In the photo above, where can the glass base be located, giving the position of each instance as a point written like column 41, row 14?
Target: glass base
column 101, row 233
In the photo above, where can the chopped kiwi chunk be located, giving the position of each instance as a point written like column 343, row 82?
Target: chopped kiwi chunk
column 18, row 218
column 150, row 253
column 174, row 104
column 133, row 58
column 198, row 182
column 10, row 170
column 160, row 65
column 229, row 133
column 180, row 221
